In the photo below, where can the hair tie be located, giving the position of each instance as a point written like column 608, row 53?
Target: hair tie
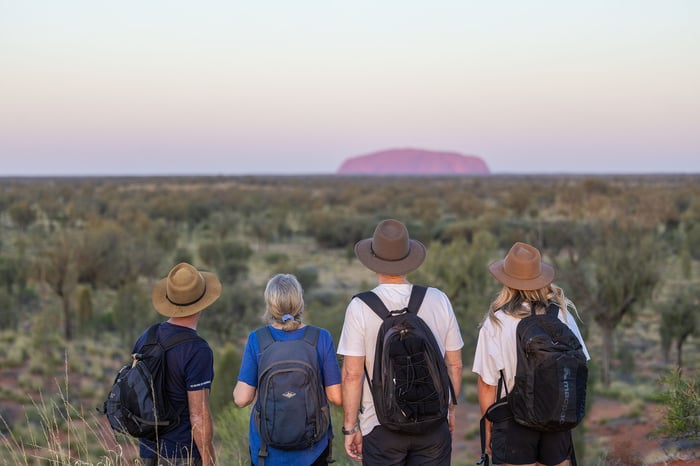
column 287, row 317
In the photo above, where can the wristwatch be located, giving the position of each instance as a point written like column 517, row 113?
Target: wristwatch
column 351, row 431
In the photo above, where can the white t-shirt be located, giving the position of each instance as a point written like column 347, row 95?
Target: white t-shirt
column 359, row 335
column 496, row 347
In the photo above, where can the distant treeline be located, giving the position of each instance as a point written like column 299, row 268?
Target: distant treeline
column 92, row 247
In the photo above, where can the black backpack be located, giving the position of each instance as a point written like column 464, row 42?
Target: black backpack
column 410, row 386
column 291, row 412
column 551, row 376
column 137, row 404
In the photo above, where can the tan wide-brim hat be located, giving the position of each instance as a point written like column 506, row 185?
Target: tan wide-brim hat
column 185, row 291
column 390, row 251
column 523, row 269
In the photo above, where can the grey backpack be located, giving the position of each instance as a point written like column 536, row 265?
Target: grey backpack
column 291, row 412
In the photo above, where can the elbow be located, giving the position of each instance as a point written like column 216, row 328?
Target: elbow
column 336, row 399
column 241, row 401
column 243, row 395
column 334, row 394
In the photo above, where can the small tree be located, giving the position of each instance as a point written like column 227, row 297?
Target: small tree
column 58, row 268
column 612, row 270
column 679, row 320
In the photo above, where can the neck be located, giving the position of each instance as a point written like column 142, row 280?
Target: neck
column 189, row 321
column 392, row 279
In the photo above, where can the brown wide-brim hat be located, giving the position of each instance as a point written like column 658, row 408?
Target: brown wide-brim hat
column 185, row 291
column 523, row 269
column 390, row 251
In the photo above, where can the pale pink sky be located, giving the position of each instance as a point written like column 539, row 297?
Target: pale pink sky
column 281, row 87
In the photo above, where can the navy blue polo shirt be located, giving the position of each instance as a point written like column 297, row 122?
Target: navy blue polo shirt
column 190, row 367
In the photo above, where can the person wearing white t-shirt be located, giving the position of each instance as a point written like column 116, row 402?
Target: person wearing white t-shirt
column 526, row 280
column 391, row 254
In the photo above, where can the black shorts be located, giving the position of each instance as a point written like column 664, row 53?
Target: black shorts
column 513, row 443
column 383, row 447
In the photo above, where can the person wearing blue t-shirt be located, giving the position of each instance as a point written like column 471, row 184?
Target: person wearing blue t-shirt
column 182, row 296
column 284, row 303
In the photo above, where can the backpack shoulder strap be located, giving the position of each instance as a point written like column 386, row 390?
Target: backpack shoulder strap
column 152, row 335
column 311, row 334
column 553, row 310
column 264, row 337
column 417, row 296
column 375, row 303
column 180, row 337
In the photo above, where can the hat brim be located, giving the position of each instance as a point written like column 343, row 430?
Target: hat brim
column 415, row 257
column 167, row 308
column 544, row 279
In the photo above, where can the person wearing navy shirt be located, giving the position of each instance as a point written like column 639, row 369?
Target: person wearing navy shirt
column 182, row 296
column 284, row 307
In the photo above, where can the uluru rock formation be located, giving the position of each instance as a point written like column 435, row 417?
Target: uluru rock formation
column 413, row 162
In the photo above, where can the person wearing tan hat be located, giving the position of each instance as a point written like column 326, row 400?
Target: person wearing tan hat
column 391, row 255
column 182, row 296
column 527, row 283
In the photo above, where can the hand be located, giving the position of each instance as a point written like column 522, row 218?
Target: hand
column 353, row 446
column 451, row 417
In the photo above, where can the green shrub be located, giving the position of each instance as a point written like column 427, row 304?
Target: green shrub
column 681, row 397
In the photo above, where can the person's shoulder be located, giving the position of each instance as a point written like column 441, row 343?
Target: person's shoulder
column 325, row 333
column 436, row 294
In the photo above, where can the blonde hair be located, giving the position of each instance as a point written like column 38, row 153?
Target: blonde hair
column 518, row 303
column 284, row 301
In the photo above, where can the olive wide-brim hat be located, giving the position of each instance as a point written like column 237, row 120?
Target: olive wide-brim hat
column 390, row 251
column 185, row 291
column 523, row 269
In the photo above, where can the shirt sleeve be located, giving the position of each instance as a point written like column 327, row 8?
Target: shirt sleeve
column 249, row 365
column 199, row 370
column 453, row 341
column 352, row 337
column 329, row 362
column 486, row 356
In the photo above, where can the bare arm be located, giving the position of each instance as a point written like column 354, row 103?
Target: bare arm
column 453, row 359
column 334, row 393
column 243, row 394
column 202, row 426
column 353, row 372
column 487, row 396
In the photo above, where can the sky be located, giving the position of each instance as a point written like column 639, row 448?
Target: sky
column 295, row 87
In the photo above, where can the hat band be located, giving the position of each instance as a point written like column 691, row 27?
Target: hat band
column 191, row 302
column 371, row 250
